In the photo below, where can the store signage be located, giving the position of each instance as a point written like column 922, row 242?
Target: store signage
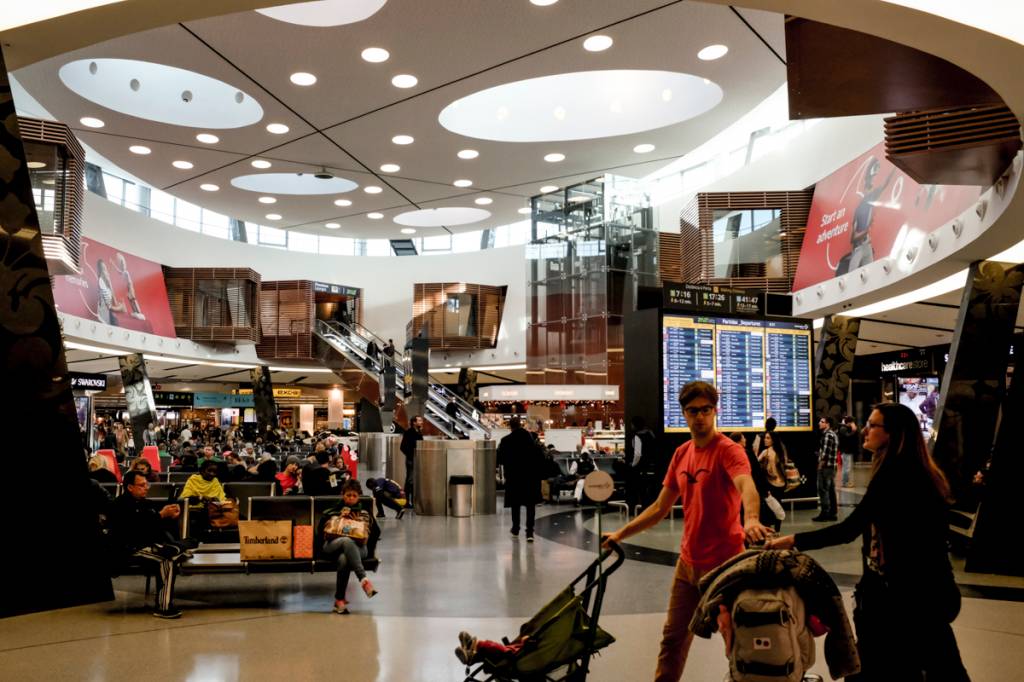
column 221, row 400
column 897, row 366
column 550, row 392
column 278, row 392
column 706, row 298
column 172, row 398
column 340, row 289
column 88, row 382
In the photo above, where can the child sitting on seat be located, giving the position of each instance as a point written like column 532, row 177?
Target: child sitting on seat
column 472, row 650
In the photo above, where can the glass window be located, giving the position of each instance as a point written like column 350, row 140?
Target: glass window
column 271, row 236
column 115, row 188
column 336, row 246
column 216, row 225
column 464, row 242
column 132, row 196
column 302, row 241
column 378, row 247
column 437, row 243
column 162, row 206
column 188, row 216
column 748, row 243
column 252, row 232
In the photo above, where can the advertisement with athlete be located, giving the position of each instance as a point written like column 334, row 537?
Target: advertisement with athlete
column 868, row 210
column 116, row 288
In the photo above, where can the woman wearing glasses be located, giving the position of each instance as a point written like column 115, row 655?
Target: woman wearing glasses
column 907, row 596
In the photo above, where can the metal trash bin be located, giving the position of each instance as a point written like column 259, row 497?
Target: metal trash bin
column 460, row 496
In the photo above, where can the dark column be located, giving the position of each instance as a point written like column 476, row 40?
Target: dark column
column 833, row 364
column 420, row 353
column 51, row 532
column 138, row 394
column 387, row 409
column 263, row 398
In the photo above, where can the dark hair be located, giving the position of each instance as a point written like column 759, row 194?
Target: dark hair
column 770, row 424
column 637, row 422
column 209, row 463
column 514, row 423
column 848, row 420
column 352, row 485
column 131, row 476
column 737, row 437
column 698, row 389
column 831, row 422
column 371, row 484
column 906, row 444
column 322, row 456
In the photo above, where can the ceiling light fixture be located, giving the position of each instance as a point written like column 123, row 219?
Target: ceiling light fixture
column 712, row 52
column 36, row 164
column 91, row 122
column 468, row 154
column 643, row 148
column 548, row 189
column 375, row 55
column 943, row 286
column 273, row 216
column 390, row 168
column 525, row 210
column 374, row 215
column 554, row 158
column 209, row 187
column 372, row 189
column 183, row 165
column 408, row 230
column 277, row 128
column 463, row 183
column 207, row 138
column 267, row 200
column 342, row 202
column 303, row 78
column 597, row 43
column 543, row 3
column 260, row 163
column 483, row 201
column 403, row 139
column 405, row 80
column 140, row 149
column 332, row 226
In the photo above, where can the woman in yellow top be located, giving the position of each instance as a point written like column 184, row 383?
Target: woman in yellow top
column 204, row 484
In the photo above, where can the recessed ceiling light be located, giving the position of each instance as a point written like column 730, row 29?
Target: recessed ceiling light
column 207, row 138
column 91, row 122
column 375, row 55
column 303, row 78
column 273, row 216
column 712, row 52
column 209, row 187
column 49, row 181
column 597, row 43
column 183, row 165
column 579, row 199
column 36, row 164
column 543, row 3
column 403, row 139
column 140, row 149
column 643, row 148
column 468, row 154
column 484, row 201
column 547, row 189
column 463, row 183
column 277, row 128
column 372, row 189
column 390, row 168
column 374, row 215
column 554, row 158
column 526, row 210
column 408, row 230
column 260, row 163
column 332, row 226
column 342, row 202
column 405, row 80
column 267, row 200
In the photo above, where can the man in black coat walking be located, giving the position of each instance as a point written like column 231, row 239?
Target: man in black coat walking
column 408, row 447
column 523, row 462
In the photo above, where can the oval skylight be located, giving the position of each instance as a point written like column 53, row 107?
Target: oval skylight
column 161, row 97
column 589, row 104
column 292, row 183
column 324, row 12
column 437, row 217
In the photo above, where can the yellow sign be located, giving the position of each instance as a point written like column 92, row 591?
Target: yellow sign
column 278, row 392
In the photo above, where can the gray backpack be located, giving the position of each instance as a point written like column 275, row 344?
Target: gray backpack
column 771, row 642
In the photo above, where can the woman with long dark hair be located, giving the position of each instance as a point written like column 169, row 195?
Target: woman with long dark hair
column 907, row 597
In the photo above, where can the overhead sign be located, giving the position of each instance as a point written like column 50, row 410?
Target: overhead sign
column 202, row 399
column 339, row 289
column 706, row 298
column 278, row 392
column 550, row 392
column 82, row 381
column 598, row 486
column 172, row 398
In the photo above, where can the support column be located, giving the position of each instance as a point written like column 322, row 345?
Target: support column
column 138, row 394
column 263, row 399
column 420, row 352
column 37, row 413
column 335, row 408
column 833, row 364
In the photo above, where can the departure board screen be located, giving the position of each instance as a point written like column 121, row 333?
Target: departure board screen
column 762, row 369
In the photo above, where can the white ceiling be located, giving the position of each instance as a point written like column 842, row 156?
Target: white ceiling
column 455, row 48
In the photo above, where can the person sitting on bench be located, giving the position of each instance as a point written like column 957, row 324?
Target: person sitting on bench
column 349, row 547
column 143, row 530
column 387, row 493
column 204, row 485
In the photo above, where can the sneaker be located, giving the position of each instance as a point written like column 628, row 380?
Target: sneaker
column 380, row 516
column 819, row 518
column 401, row 513
column 515, row 533
column 340, row 606
column 529, row 537
column 368, row 587
column 168, row 614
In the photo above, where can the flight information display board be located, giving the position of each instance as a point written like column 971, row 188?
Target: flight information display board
column 762, row 369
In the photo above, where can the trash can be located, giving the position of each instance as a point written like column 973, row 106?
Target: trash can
column 460, row 495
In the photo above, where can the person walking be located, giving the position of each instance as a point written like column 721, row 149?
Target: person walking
column 412, row 435
column 827, row 451
column 907, row 595
column 522, row 463
column 712, row 476
column 849, row 446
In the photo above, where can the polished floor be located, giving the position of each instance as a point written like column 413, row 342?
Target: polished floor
column 438, row 576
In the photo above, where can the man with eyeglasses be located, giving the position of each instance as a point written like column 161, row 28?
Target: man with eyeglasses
column 711, row 474
column 144, row 529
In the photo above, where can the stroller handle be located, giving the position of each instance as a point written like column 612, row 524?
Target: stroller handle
column 620, row 556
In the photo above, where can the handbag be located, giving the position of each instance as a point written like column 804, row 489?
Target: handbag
column 793, row 477
column 222, row 514
column 346, row 527
column 775, row 506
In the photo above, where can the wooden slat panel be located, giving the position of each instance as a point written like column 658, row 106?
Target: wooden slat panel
column 287, row 311
column 205, row 301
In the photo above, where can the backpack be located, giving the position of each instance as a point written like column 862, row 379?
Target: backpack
column 771, row 642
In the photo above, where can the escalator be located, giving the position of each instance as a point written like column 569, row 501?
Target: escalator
column 343, row 348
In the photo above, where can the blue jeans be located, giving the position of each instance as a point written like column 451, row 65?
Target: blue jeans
column 827, row 491
column 847, row 468
column 350, row 558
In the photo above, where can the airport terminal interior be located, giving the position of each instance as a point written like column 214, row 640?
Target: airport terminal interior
column 304, row 305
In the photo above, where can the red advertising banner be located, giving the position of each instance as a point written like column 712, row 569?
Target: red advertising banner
column 868, row 210
column 116, row 288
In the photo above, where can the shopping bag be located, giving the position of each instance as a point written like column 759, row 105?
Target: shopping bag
column 346, row 527
column 262, row 540
column 222, row 513
column 302, row 542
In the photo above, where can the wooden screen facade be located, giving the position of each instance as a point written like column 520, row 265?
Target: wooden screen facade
column 287, row 310
column 697, row 244
column 214, row 304
column 457, row 315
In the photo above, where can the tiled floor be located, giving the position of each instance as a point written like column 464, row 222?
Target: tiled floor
column 438, row 576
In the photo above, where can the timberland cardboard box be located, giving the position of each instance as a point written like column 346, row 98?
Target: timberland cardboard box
column 262, row 540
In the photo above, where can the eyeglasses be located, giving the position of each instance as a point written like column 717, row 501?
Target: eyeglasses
column 703, row 411
column 875, row 426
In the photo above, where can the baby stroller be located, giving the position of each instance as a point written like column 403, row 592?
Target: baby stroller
column 557, row 643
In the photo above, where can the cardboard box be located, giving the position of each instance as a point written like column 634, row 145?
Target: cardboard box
column 263, row 540
column 302, row 542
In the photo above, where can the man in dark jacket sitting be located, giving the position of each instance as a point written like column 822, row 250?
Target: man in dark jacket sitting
column 523, row 462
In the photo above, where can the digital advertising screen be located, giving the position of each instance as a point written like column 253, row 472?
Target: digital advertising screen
column 762, row 368
column 921, row 395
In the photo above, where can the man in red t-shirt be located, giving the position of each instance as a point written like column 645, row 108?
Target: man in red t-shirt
column 712, row 475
